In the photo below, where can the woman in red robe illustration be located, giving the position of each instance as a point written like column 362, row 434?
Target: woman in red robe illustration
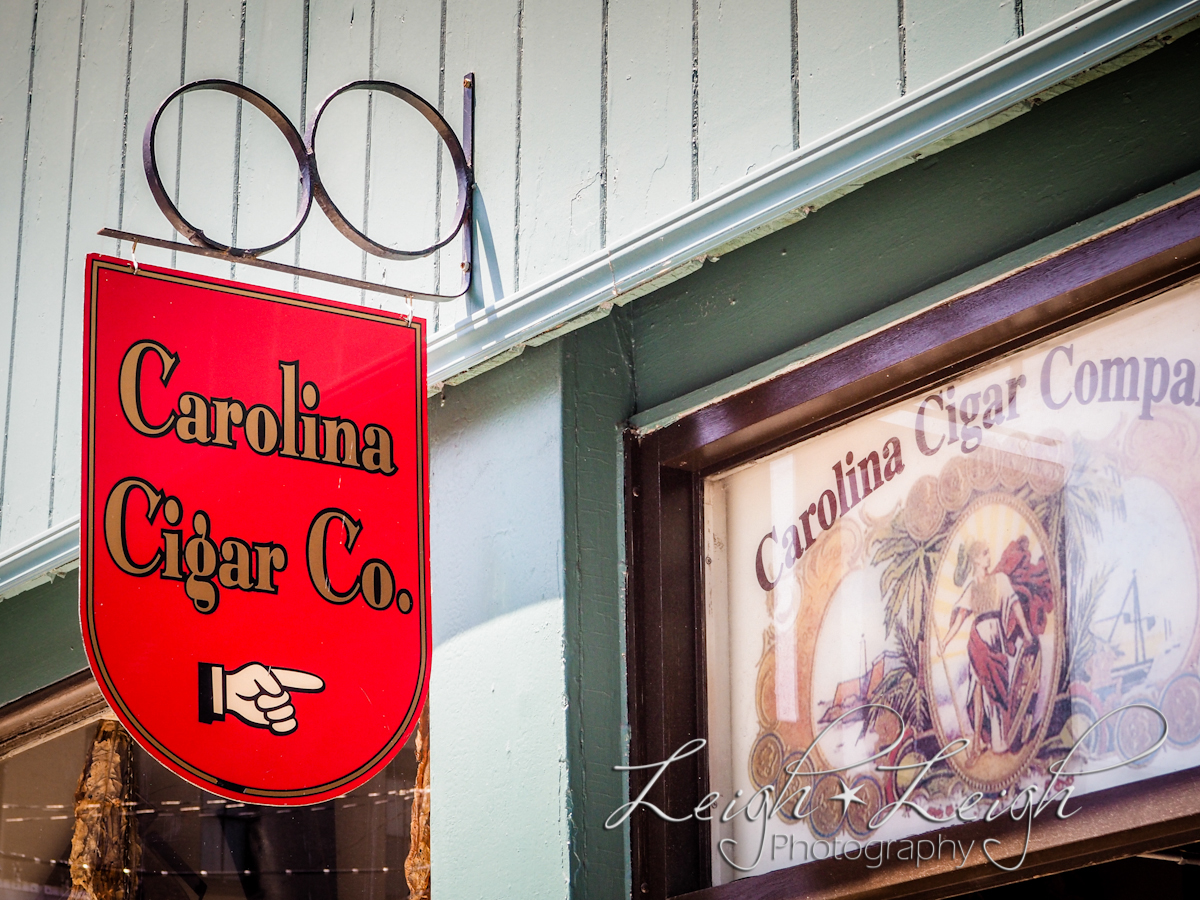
column 1010, row 605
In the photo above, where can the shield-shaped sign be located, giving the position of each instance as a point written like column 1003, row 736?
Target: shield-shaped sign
column 254, row 589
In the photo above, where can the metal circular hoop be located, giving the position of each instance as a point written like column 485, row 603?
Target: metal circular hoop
column 431, row 115
column 272, row 112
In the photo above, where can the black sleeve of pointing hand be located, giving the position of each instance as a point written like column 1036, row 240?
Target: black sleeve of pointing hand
column 208, row 713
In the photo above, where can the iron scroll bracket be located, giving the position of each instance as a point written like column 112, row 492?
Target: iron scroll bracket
column 311, row 187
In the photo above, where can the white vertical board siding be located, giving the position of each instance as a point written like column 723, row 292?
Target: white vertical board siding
column 153, row 66
column 14, row 96
column 34, row 321
column 156, row 46
column 404, row 147
column 95, row 187
column 944, row 35
column 155, row 60
column 339, row 52
column 649, row 140
column 745, row 87
column 15, row 45
column 268, row 175
column 210, row 159
column 560, row 136
column 481, row 37
column 448, row 270
column 848, row 60
column 1041, row 12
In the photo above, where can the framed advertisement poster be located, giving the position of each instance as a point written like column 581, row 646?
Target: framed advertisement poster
column 933, row 600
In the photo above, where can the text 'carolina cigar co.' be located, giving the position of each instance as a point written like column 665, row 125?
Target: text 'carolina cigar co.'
column 255, row 594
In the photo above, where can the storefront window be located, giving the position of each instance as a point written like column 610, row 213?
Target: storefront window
column 90, row 809
column 991, row 582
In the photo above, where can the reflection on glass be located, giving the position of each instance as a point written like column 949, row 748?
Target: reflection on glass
column 953, row 600
column 192, row 844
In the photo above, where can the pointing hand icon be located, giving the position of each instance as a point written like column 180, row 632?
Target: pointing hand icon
column 258, row 695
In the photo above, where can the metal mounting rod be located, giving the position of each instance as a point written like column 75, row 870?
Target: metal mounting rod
column 275, row 267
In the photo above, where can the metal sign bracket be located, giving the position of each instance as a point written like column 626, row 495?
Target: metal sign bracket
column 311, row 187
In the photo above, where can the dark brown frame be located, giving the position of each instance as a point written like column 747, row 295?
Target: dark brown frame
column 666, row 468
column 47, row 713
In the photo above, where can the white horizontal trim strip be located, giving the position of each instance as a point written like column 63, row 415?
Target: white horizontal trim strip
column 1042, row 59
column 39, row 555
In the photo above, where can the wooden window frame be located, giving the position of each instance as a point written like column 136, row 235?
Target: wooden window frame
column 665, row 622
column 53, row 710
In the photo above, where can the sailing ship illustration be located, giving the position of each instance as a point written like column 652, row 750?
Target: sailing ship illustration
column 857, row 692
column 1134, row 629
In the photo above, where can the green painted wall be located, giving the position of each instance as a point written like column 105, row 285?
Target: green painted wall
column 40, row 641
column 495, row 517
column 497, row 700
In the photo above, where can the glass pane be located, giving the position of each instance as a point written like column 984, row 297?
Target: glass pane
column 943, row 603
column 192, row 844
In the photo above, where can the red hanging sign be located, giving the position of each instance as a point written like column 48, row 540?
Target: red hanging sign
column 254, row 592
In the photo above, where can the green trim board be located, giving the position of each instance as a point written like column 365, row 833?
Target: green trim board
column 658, row 417
column 598, row 395
column 40, row 642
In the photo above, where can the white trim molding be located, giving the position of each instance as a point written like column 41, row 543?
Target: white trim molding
column 991, row 90
column 39, row 558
